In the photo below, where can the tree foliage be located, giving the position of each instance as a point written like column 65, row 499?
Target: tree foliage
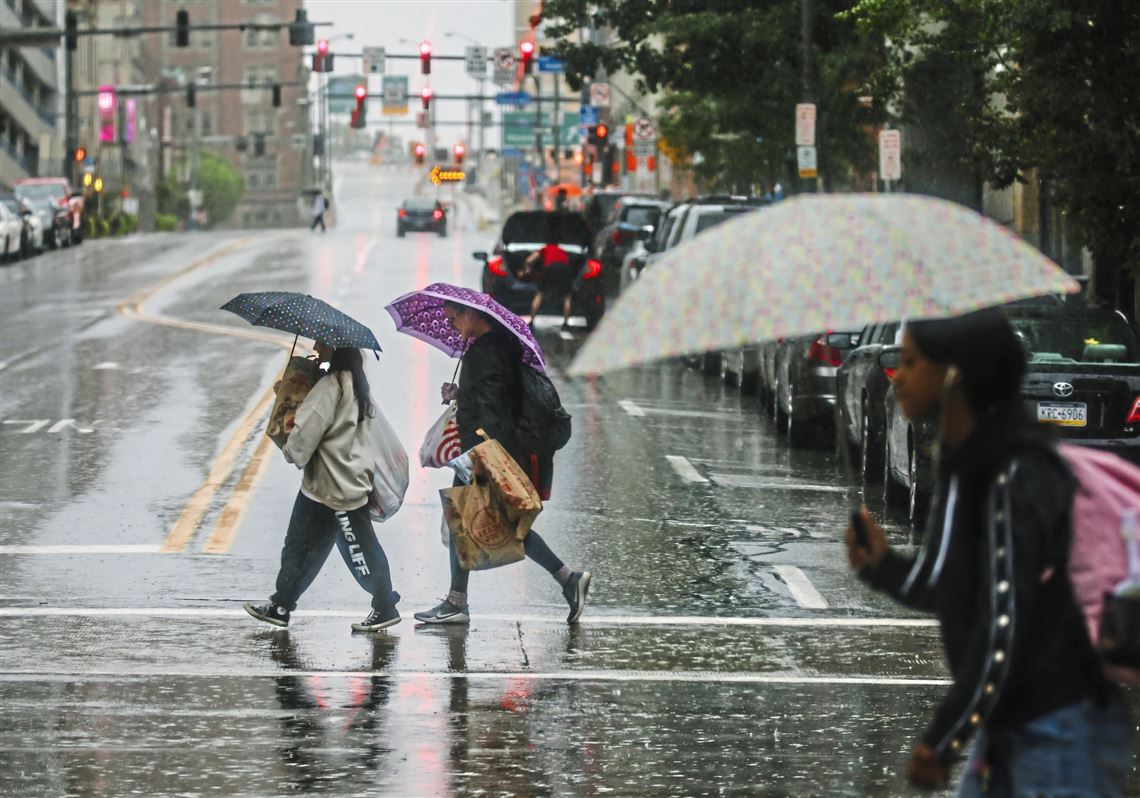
column 221, row 185
column 731, row 73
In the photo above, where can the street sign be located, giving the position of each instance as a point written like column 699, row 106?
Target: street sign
column 504, row 63
column 890, row 155
column 587, row 115
column 513, row 98
column 548, row 63
column 341, row 88
column 395, row 95
column 519, row 129
column 446, row 174
column 374, row 60
column 805, row 125
column 806, row 160
column 600, row 95
column 476, row 57
column 644, row 137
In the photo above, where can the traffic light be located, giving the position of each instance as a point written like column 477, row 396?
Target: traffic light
column 599, row 135
column 71, row 28
column 425, row 95
column 526, row 50
column 425, row 57
column 87, row 178
column 300, row 29
column 421, row 152
column 80, row 155
column 191, row 95
column 276, row 95
column 460, row 151
column 360, row 112
column 98, row 185
column 182, row 28
column 322, row 58
column 323, row 46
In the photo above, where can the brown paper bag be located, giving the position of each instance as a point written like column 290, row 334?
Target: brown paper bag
column 298, row 378
column 489, row 518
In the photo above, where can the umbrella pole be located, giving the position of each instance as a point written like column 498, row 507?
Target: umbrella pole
column 853, row 502
column 294, row 347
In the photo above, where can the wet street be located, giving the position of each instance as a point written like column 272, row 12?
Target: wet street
column 726, row 648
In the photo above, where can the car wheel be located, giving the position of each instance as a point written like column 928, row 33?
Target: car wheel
column 917, row 501
column 399, row 232
column 727, row 376
column 892, row 491
column 710, row 363
column 77, row 235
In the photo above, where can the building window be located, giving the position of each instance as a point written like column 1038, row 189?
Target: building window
column 262, row 39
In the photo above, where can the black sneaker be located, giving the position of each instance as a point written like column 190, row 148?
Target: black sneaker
column 444, row 612
column 575, row 591
column 565, row 326
column 270, row 613
column 378, row 620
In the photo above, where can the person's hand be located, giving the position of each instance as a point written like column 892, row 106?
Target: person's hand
column 447, row 391
column 924, row 770
column 858, row 556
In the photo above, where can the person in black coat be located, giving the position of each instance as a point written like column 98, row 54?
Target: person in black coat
column 489, row 398
column 1025, row 676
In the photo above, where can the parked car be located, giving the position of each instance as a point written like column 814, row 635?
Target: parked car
column 421, row 215
column 54, row 221
column 804, row 392
column 11, row 232
column 619, row 233
column 31, row 228
column 523, row 233
column 598, row 207
column 57, row 191
column 862, row 385
column 908, row 453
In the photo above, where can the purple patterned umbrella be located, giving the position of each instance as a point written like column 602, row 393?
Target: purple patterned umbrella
column 420, row 315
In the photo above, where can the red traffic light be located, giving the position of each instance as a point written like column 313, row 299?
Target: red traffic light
column 527, row 49
column 420, row 149
column 425, row 95
column 80, row 154
column 425, row 48
column 361, row 91
column 322, row 46
column 425, row 57
column 460, row 149
column 602, row 132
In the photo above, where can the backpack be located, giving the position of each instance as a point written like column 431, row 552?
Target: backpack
column 543, row 425
column 1108, row 490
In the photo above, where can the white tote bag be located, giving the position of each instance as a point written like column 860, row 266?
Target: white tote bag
column 389, row 471
column 441, row 443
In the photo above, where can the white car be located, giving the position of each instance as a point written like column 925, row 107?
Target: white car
column 11, row 228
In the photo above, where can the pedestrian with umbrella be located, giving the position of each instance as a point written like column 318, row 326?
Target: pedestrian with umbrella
column 494, row 345
column 350, row 458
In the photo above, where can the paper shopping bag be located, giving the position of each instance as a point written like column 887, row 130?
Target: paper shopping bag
column 441, row 444
column 298, row 378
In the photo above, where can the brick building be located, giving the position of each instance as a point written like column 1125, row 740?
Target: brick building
column 31, row 103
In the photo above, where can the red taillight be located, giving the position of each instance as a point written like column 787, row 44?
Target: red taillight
column 891, row 373
column 496, row 267
column 437, row 214
column 593, row 269
column 403, row 213
column 822, row 353
column 1134, row 413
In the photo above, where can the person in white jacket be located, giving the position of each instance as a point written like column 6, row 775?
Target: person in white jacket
column 335, row 437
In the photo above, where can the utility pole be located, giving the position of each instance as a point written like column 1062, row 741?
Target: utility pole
column 71, row 115
column 807, row 78
column 556, row 129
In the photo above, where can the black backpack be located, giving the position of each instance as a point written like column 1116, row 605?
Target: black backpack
column 544, row 425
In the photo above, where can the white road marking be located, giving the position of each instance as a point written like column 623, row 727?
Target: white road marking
column 760, row 483
column 801, row 588
column 33, row 425
column 628, row 406
column 106, row 365
column 727, row 677
column 83, row 549
column 685, row 469
column 565, row 336
column 591, row 620
column 60, row 426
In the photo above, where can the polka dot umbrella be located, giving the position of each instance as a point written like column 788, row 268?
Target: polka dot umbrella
column 304, row 316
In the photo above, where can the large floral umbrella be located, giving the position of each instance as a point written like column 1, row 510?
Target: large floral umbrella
column 818, row 262
column 420, row 315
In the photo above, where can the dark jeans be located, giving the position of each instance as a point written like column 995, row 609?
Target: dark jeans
column 318, row 219
column 313, row 528
column 534, row 546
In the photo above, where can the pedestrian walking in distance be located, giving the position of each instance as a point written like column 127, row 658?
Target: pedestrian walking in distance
column 1027, row 682
column 550, row 267
column 319, row 208
column 336, row 432
column 489, row 397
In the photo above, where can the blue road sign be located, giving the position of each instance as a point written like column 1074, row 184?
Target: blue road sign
column 588, row 115
column 513, row 98
column 548, row 63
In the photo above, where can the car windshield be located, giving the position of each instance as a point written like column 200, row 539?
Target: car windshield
column 531, row 227
column 419, row 205
column 10, row 204
column 713, row 218
column 1093, row 338
column 40, row 191
column 642, row 215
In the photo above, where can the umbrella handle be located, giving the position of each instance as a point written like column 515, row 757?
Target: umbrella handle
column 293, row 348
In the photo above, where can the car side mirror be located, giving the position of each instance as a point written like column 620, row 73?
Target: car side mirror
column 890, row 360
column 645, row 233
column 480, row 255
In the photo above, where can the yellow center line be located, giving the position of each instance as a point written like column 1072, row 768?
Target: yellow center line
column 186, row 526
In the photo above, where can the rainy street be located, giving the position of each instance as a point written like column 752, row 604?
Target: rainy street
column 726, row 648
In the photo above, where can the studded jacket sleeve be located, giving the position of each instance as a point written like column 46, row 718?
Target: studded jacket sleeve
column 1022, row 517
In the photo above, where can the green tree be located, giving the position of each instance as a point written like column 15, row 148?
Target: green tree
column 731, row 72
column 1051, row 87
column 222, row 187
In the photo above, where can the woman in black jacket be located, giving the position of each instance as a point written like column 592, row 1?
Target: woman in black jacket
column 488, row 398
column 1025, row 676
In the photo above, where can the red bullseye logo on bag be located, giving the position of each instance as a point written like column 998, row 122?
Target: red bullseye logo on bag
column 449, row 447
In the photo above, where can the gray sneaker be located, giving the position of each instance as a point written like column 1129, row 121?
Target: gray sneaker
column 575, row 591
column 444, row 612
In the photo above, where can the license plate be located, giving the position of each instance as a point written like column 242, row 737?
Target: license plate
column 1065, row 414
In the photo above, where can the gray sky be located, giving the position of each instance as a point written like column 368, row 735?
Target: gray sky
column 383, row 23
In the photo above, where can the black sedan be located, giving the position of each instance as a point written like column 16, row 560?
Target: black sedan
column 525, row 232
column 421, row 215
